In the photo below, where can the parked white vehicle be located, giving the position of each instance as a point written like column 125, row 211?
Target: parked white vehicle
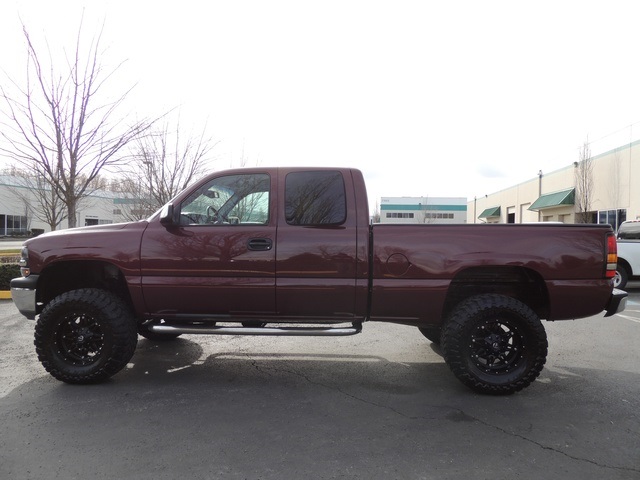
column 628, row 253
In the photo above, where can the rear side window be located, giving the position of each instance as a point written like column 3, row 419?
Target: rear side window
column 629, row 231
column 315, row 198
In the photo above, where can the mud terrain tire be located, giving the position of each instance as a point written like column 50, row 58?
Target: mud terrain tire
column 494, row 344
column 85, row 336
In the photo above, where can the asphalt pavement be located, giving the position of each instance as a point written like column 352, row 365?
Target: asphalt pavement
column 378, row 405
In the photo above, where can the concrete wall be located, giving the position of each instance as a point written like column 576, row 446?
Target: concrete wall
column 616, row 186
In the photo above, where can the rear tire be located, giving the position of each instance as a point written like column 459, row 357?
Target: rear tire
column 85, row 336
column 494, row 344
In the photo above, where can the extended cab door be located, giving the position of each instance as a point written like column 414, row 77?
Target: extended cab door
column 218, row 257
column 317, row 254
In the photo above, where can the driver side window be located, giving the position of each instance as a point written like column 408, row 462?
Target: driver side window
column 229, row 200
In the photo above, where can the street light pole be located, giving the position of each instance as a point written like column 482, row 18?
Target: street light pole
column 539, row 193
column 475, row 202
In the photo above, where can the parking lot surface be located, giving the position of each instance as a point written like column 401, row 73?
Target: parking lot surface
column 379, row 405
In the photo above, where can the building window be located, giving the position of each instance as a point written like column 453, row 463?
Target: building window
column 430, row 216
column 612, row 217
column 399, row 215
column 13, row 225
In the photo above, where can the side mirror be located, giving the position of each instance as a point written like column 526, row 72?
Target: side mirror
column 167, row 216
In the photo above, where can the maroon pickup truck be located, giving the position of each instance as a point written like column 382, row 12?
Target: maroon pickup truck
column 291, row 251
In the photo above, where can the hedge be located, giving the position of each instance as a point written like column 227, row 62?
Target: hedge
column 7, row 272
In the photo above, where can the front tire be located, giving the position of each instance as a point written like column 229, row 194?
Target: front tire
column 85, row 336
column 494, row 344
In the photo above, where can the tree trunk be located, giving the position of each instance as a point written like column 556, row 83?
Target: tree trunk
column 72, row 221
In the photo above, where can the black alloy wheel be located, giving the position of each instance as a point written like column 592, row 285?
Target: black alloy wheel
column 497, row 346
column 85, row 336
column 494, row 344
column 79, row 338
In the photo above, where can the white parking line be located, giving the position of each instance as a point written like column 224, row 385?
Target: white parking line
column 627, row 317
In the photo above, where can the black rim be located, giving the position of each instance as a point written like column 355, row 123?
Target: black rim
column 79, row 339
column 496, row 346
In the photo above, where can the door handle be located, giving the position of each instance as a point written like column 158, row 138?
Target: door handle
column 260, row 244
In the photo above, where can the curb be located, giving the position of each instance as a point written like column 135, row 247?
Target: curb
column 5, row 294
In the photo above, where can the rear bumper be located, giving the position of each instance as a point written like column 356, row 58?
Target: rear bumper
column 23, row 292
column 617, row 302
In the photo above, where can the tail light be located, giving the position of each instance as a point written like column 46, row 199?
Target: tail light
column 612, row 256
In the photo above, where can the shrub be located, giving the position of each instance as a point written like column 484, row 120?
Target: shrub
column 9, row 258
column 7, row 272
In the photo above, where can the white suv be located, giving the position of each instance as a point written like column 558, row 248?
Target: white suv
column 628, row 253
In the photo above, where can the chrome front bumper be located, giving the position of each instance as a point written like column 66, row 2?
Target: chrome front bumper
column 23, row 293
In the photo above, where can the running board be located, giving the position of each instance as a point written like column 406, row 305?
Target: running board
column 273, row 331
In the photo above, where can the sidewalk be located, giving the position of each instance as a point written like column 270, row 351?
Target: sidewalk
column 10, row 244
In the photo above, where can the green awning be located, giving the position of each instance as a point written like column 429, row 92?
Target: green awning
column 490, row 212
column 553, row 200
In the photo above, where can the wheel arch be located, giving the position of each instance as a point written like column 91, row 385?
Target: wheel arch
column 62, row 277
column 627, row 266
column 521, row 283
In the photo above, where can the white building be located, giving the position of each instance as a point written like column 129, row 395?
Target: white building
column 19, row 208
column 423, row 210
column 551, row 197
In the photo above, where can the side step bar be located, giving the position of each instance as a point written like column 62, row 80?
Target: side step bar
column 273, row 331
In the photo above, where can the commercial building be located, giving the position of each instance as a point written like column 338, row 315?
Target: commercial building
column 614, row 194
column 20, row 210
column 423, row 210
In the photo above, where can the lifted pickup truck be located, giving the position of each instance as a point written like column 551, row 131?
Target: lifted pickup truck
column 290, row 251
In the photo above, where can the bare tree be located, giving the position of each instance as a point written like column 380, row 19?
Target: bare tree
column 40, row 197
column 584, row 184
column 427, row 215
column 62, row 123
column 375, row 215
column 164, row 163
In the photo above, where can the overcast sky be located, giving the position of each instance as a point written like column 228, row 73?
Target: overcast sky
column 442, row 98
